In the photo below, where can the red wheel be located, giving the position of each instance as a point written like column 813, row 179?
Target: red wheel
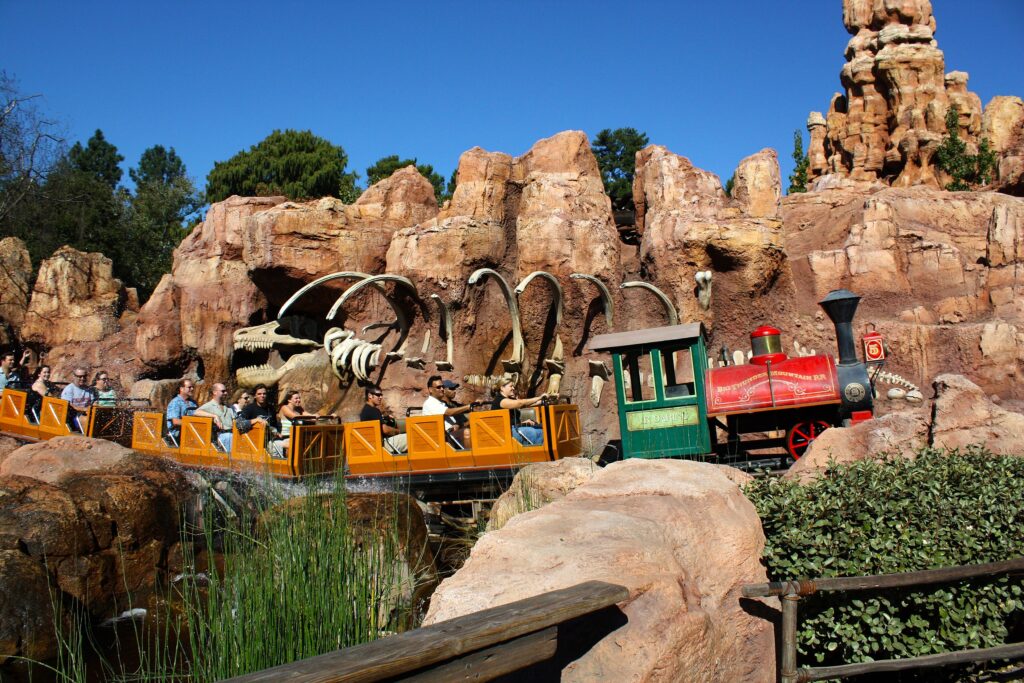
column 802, row 434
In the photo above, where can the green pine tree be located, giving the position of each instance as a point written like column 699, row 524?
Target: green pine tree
column 966, row 170
column 798, row 180
column 296, row 164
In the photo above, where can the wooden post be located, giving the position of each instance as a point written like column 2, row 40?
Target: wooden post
column 788, row 672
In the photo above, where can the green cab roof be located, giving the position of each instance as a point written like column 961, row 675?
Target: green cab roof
column 652, row 336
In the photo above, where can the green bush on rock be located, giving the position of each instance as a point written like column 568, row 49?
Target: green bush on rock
column 891, row 515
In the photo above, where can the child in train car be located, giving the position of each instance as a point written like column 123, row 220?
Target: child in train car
column 525, row 432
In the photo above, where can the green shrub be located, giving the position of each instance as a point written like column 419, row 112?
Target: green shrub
column 892, row 515
column 966, row 170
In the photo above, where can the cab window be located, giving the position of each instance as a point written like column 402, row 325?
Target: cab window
column 677, row 373
column 638, row 382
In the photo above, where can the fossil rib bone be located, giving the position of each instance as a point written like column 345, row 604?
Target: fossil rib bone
column 670, row 310
column 448, row 364
column 375, row 280
column 555, row 364
column 606, row 296
column 515, row 363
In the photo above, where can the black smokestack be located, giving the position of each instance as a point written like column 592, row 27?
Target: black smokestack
column 840, row 305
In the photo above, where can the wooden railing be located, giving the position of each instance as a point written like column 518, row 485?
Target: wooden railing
column 791, row 592
column 479, row 646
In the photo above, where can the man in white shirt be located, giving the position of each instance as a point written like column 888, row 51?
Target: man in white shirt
column 435, row 405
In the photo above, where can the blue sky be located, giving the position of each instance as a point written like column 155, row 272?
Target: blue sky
column 713, row 81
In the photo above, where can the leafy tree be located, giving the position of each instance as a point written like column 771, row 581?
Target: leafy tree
column 966, row 170
column 729, row 184
column 386, row 166
column 616, row 157
column 798, row 180
column 297, row 164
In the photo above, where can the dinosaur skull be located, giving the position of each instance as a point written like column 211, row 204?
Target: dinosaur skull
column 271, row 339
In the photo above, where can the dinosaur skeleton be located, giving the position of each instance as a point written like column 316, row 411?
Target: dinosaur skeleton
column 599, row 372
column 268, row 337
column 515, row 363
column 556, row 363
column 902, row 388
column 351, row 356
column 703, row 278
column 670, row 310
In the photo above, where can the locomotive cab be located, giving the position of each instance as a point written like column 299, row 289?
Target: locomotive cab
column 659, row 385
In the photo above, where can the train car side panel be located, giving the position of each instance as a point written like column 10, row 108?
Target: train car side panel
column 565, row 433
column 12, row 414
column 53, row 418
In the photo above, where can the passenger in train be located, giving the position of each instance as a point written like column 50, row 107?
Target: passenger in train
column 80, row 395
column 261, row 410
column 461, row 418
column 242, row 398
column 223, row 415
column 291, row 411
column 180, row 406
column 525, row 432
column 42, row 384
column 394, row 440
column 41, row 388
column 6, row 368
column 436, row 405
column 105, row 394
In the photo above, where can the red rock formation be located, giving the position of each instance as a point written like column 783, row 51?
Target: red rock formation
column 892, row 117
column 75, row 299
column 689, row 225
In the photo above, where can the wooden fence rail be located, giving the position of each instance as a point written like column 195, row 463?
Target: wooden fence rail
column 791, row 591
column 479, row 646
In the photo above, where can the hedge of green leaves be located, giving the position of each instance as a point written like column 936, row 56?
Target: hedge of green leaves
column 891, row 515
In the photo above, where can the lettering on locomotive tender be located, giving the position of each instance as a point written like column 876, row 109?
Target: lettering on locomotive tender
column 681, row 416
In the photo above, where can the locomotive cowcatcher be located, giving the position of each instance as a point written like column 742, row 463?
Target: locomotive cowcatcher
column 672, row 404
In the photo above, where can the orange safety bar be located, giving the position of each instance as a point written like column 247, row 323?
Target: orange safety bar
column 494, row 445
column 12, row 414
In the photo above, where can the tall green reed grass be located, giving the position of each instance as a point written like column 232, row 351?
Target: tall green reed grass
column 295, row 579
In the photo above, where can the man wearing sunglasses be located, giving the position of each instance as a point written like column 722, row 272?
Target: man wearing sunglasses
column 394, row 440
column 80, row 396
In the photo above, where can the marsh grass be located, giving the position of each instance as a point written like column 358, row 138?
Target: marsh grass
column 295, row 580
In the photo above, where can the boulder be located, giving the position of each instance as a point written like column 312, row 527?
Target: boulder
column 52, row 460
column 964, row 415
column 76, row 298
column 898, row 434
column 7, row 446
column 679, row 535
column 537, row 485
column 26, row 609
column 15, row 284
column 99, row 537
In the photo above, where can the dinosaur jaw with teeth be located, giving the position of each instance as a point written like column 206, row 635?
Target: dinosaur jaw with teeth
column 267, row 374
